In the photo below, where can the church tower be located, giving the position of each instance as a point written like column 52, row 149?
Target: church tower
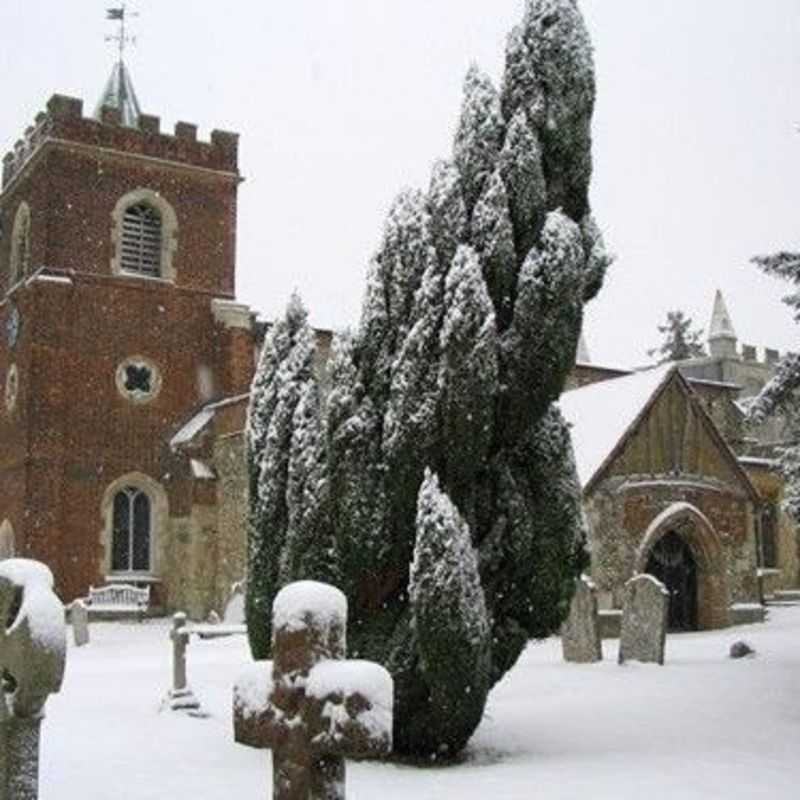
column 119, row 323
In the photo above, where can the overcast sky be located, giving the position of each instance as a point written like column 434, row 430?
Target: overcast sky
column 341, row 104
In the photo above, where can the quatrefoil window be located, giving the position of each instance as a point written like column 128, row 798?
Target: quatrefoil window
column 138, row 379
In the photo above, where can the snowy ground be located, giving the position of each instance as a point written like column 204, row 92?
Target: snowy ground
column 701, row 727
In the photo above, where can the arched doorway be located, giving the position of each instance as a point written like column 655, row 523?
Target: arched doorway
column 681, row 548
column 672, row 562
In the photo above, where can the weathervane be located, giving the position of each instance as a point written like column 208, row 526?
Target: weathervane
column 120, row 14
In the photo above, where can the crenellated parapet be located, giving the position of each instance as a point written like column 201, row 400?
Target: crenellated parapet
column 64, row 121
column 768, row 356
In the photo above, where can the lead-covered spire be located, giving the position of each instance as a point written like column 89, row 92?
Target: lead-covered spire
column 119, row 93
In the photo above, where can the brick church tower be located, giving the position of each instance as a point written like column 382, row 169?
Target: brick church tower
column 118, row 323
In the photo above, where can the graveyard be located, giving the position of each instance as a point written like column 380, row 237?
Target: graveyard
column 437, row 553
column 701, row 726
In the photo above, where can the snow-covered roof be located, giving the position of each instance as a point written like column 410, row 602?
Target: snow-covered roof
column 716, row 384
column 192, row 427
column 755, row 461
column 199, row 421
column 201, row 470
column 602, row 413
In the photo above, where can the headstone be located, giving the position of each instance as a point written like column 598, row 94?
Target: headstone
column 310, row 706
column 180, row 697
column 33, row 644
column 644, row 620
column 580, row 634
column 79, row 618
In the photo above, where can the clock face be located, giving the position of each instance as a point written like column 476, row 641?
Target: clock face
column 12, row 325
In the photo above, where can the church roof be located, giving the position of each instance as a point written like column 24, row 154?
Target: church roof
column 120, row 94
column 721, row 326
column 603, row 416
column 600, row 414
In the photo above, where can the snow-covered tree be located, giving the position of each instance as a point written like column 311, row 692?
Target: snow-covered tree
column 284, row 374
column 781, row 395
column 469, row 327
column 680, row 341
column 449, row 616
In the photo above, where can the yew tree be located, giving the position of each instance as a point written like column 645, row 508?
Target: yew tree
column 431, row 475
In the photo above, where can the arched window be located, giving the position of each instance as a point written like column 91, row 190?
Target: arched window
column 130, row 535
column 144, row 235
column 20, row 245
column 141, row 240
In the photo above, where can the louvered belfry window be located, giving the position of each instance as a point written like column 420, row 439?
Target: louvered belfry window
column 141, row 240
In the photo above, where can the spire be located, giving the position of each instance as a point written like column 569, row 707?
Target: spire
column 120, row 94
column 721, row 335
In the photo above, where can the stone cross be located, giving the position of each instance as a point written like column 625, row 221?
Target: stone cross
column 33, row 644
column 180, row 697
column 580, row 634
column 314, row 709
column 79, row 618
column 644, row 620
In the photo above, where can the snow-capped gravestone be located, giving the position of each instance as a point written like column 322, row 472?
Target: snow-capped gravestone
column 33, row 644
column 580, row 634
column 309, row 706
column 644, row 620
column 79, row 619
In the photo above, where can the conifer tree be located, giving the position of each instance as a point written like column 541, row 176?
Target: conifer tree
column 284, row 373
column 780, row 395
column 680, row 341
column 441, row 446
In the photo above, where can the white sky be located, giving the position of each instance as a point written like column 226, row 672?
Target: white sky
column 340, row 104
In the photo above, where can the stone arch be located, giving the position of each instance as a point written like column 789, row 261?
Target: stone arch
column 709, row 555
column 159, row 511
column 8, row 547
column 19, row 263
column 169, row 231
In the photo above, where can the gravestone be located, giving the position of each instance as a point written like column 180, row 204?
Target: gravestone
column 79, row 619
column 580, row 634
column 33, row 644
column 309, row 706
column 180, row 697
column 644, row 620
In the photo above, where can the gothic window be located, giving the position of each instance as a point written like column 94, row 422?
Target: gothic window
column 141, row 240
column 144, row 236
column 20, row 245
column 130, row 535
